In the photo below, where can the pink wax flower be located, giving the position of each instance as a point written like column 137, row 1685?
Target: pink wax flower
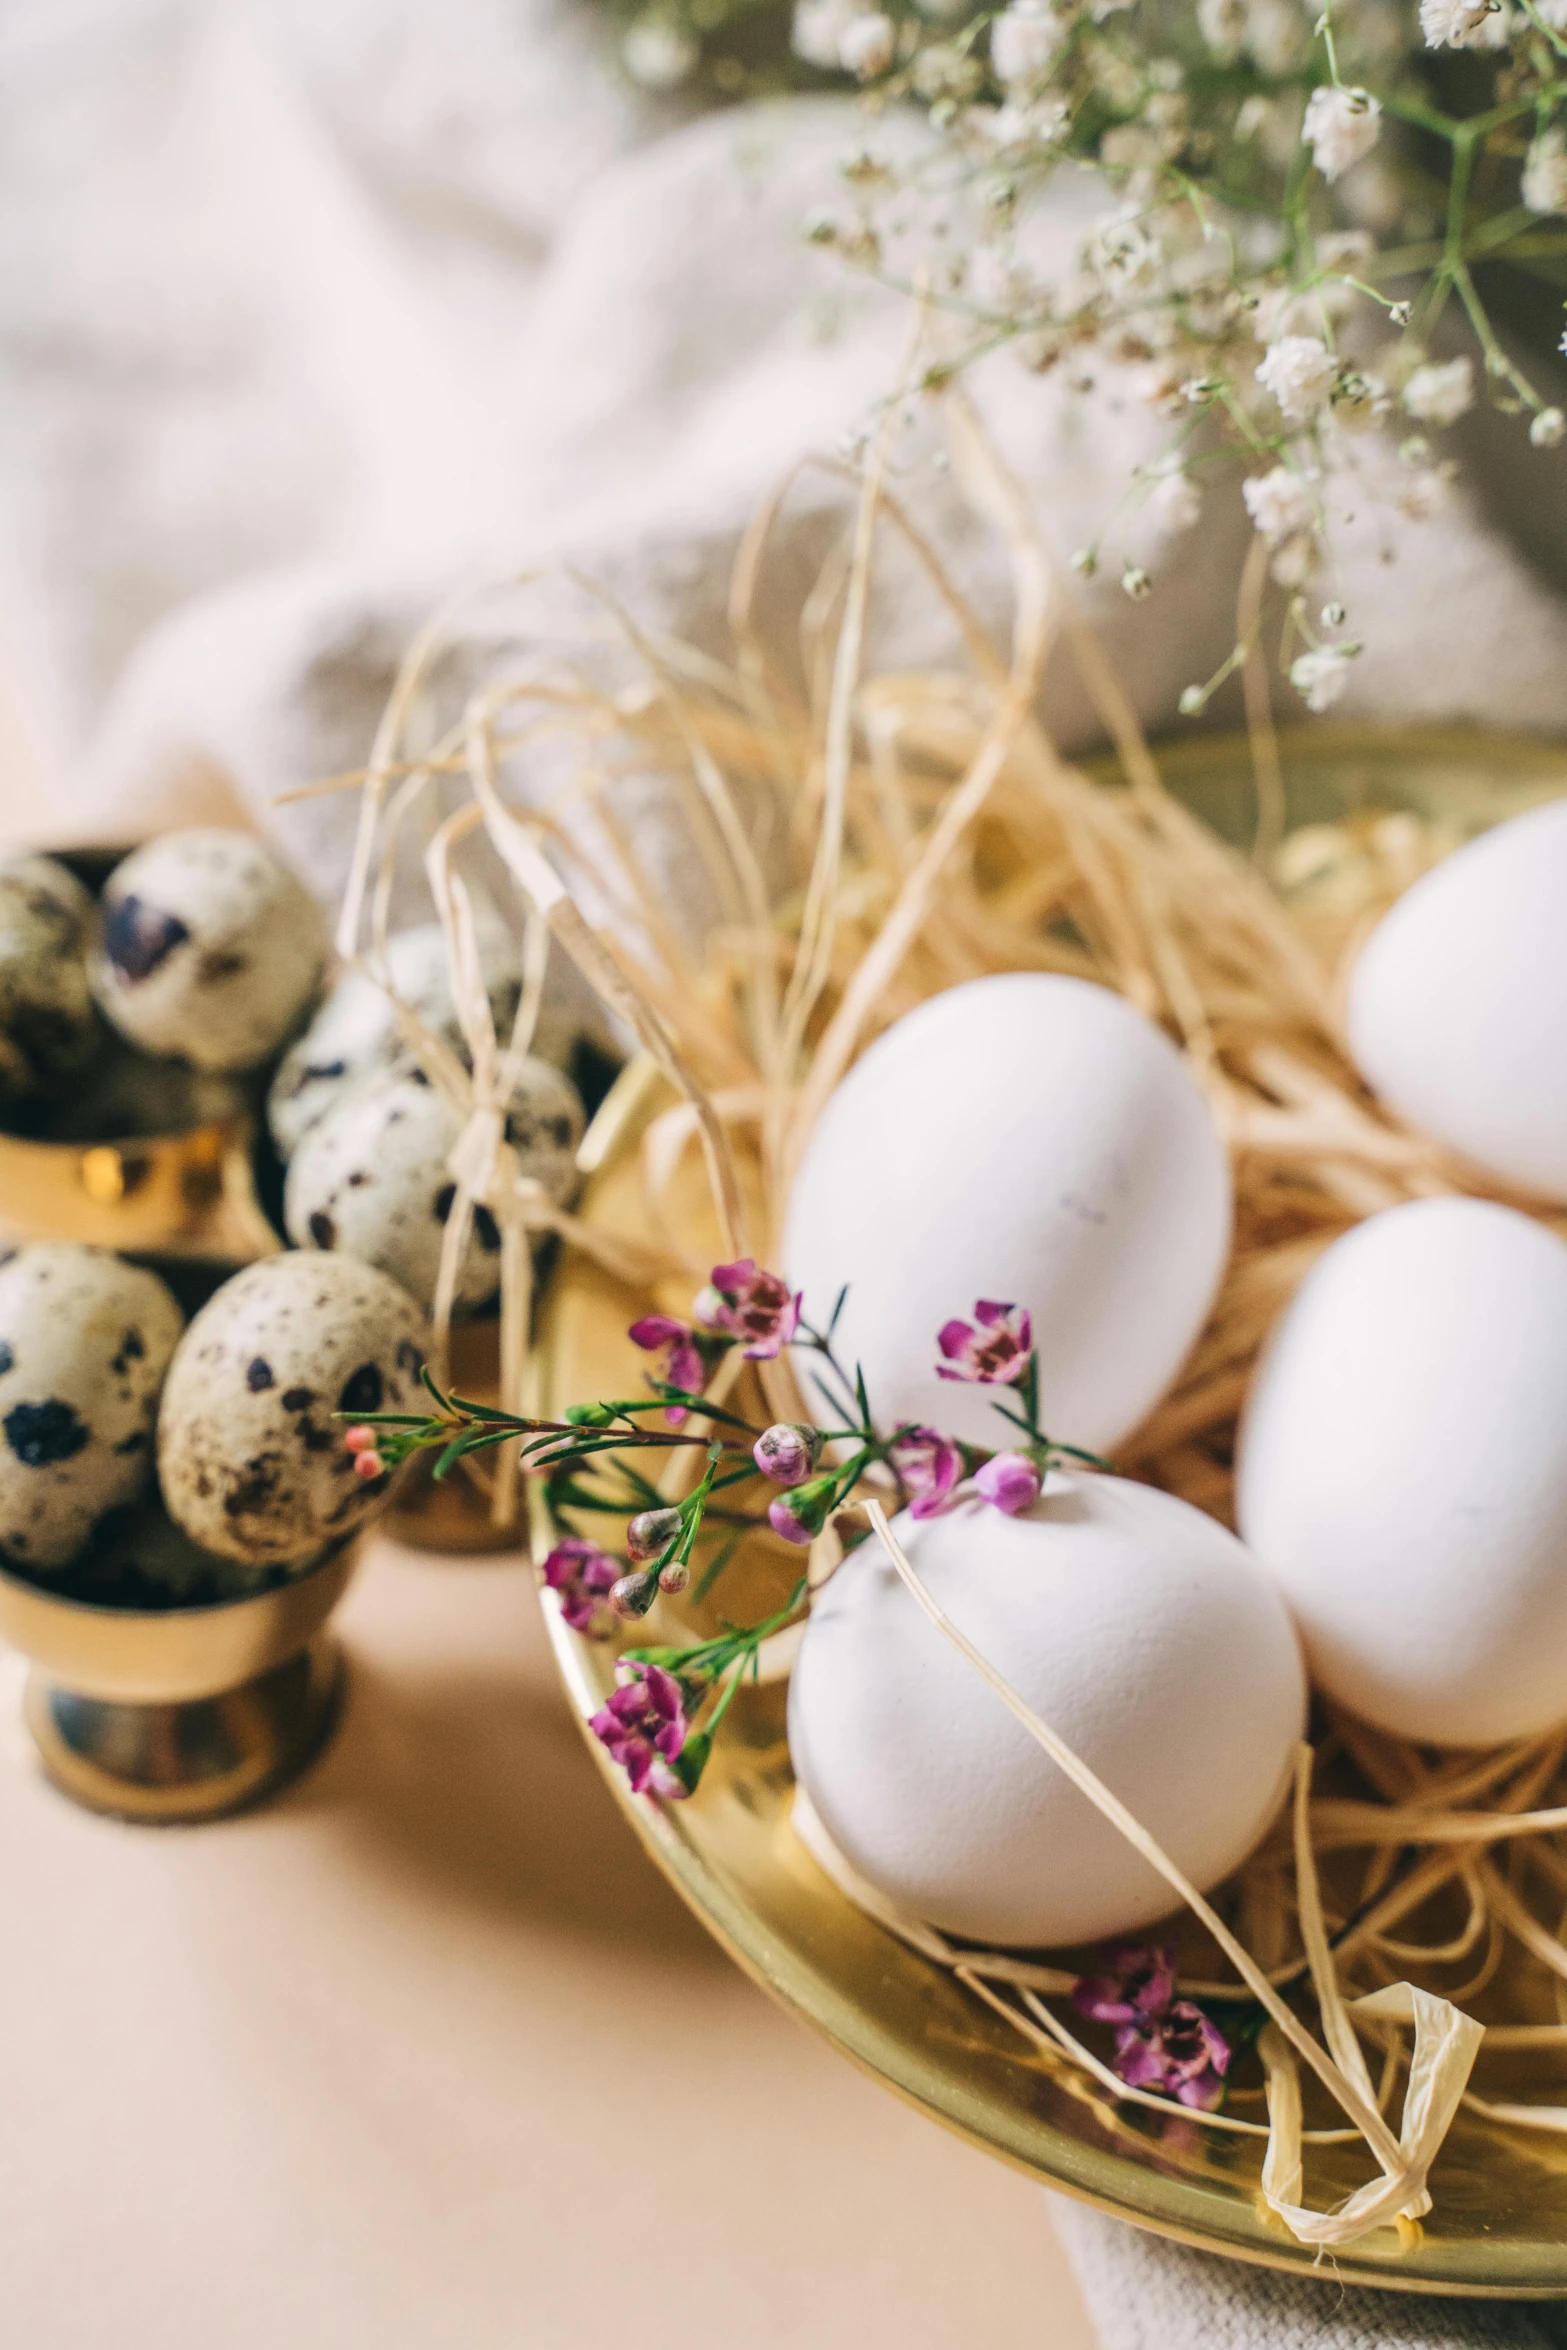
column 1136, row 1980
column 1161, row 2042
column 1179, row 2052
column 584, row 1576
column 753, row 1305
column 682, row 1366
column 991, row 1351
column 787, row 1452
column 930, row 1464
column 651, row 1532
column 800, row 1516
column 361, row 1443
column 1009, row 1481
column 643, row 1726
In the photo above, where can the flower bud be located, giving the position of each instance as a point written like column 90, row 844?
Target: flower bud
column 1548, row 428
column 592, row 1415
column 634, row 1594
column 652, row 1531
column 800, row 1516
column 1009, row 1481
column 368, row 1465
column 787, row 1452
column 674, row 1577
column 360, row 1439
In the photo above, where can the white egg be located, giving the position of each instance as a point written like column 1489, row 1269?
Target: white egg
column 1402, row 1471
column 1136, row 1627
column 1027, row 1138
column 1458, row 1002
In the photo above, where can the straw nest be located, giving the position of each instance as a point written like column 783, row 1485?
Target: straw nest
column 864, row 839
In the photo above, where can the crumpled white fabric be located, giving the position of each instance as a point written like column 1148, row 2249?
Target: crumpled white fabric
column 309, row 314
column 1145, row 2293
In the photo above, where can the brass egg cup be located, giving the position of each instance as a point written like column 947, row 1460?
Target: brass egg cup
column 179, row 1714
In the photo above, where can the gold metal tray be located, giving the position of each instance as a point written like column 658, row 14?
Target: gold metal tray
column 1499, row 2226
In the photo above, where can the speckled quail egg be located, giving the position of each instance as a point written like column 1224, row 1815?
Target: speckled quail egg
column 48, row 1027
column 372, row 1175
column 355, row 1031
column 209, row 949
column 84, row 1344
column 141, row 1559
column 250, row 1457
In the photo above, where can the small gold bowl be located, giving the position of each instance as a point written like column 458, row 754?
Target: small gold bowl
column 184, row 1713
column 141, row 1155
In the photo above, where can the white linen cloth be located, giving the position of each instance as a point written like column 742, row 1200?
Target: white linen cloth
column 307, row 314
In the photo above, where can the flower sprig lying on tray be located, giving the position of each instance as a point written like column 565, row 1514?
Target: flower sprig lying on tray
column 667, row 1708
column 650, row 1724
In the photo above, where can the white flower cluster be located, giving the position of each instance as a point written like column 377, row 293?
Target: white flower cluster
column 843, row 36
column 1240, row 280
column 1340, row 128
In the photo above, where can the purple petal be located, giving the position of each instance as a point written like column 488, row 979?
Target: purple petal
column 953, row 1338
column 734, row 1280
column 656, row 1330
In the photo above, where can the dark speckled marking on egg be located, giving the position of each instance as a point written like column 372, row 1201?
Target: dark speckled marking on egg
column 42, row 1433
column 138, row 937
column 87, row 1342
column 263, row 1475
column 209, row 949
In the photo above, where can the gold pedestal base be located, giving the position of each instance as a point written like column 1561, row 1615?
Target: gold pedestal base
column 196, row 1759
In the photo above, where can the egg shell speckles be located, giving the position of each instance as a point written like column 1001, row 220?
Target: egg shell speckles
column 355, row 1031
column 209, row 949
column 48, row 1026
column 371, row 1176
column 250, row 1458
column 1143, row 1633
column 85, row 1341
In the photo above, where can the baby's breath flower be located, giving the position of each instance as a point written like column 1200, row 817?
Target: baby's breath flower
column 1222, row 24
column 1459, row 24
column 1441, row 391
column 1279, row 504
column 1300, row 372
column 1023, row 43
column 1340, row 128
column 1545, row 174
column 1175, row 502
column 816, row 30
column 1321, row 675
column 865, row 45
column 1136, row 583
column 659, row 54
column 1548, row 428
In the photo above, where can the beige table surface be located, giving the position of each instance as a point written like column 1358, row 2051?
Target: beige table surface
column 428, row 2054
